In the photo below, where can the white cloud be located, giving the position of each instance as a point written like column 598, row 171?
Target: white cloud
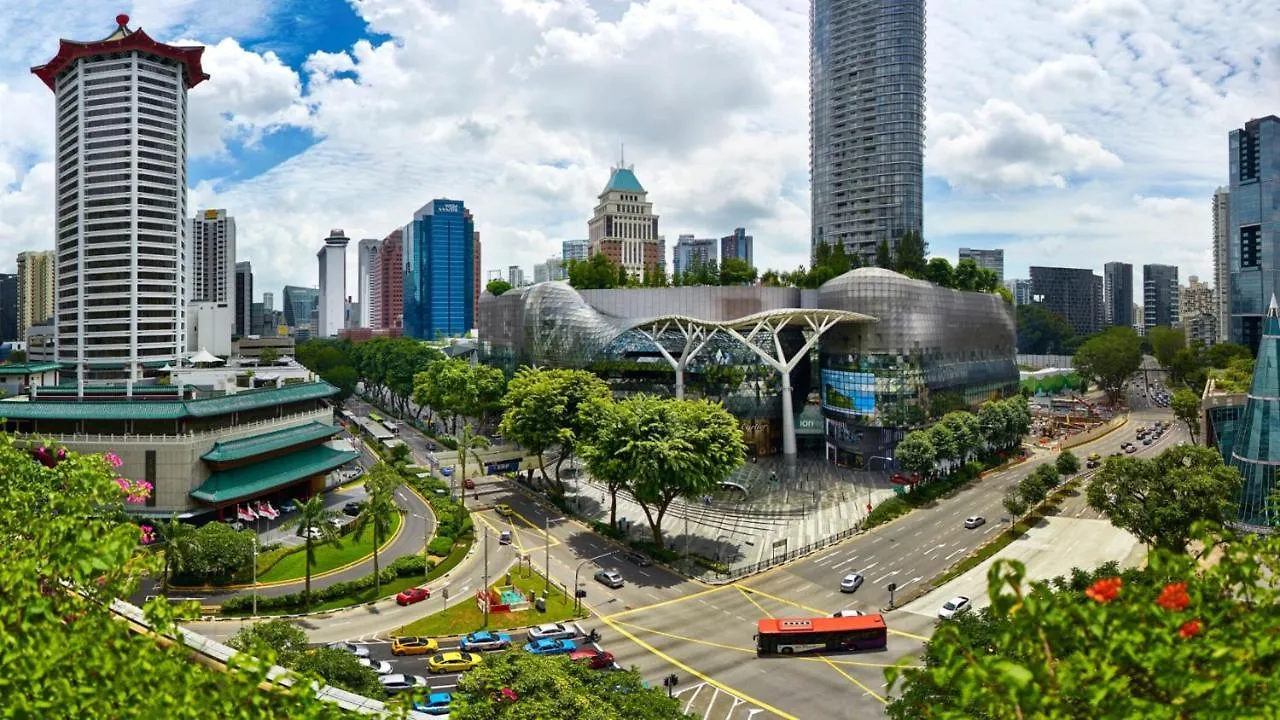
column 246, row 95
column 1072, row 71
column 1110, row 12
column 1169, row 205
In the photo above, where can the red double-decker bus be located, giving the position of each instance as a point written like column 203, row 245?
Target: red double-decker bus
column 787, row 636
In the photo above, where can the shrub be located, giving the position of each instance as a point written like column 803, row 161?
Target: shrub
column 440, row 545
column 892, row 508
column 410, row 565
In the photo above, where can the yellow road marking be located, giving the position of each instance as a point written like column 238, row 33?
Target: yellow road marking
column 672, row 601
column 701, row 676
column 752, row 651
column 818, row 612
column 753, row 602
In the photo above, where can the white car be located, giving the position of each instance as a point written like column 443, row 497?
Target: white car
column 357, row 650
column 953, row 607
column 400, row 682
column 554, row 631
column 847, row 613
column 851, row 582
column 975, row 521
column 381, row 667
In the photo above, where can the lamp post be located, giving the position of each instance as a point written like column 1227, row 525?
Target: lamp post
column 258, row 527
column 719, row 547
column 485, row 588
column 546, row 532
column 426, row 540
column 577, row 605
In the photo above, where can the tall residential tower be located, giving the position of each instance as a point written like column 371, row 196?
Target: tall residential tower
column 866, row 121
column 35, row 289
column 333, row 284
column 366, row 265
column 1253, row 249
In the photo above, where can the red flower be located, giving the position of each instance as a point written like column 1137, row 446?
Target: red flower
column 1105, row 590
column 1174, row 597
column 1190, row 629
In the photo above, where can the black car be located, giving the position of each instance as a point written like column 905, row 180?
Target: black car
column 352, row 508
column 638, row 558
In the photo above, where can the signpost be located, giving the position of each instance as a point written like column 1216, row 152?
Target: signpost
column 892, row 588
column 670, row 682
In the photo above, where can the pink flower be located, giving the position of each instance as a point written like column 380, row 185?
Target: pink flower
column 148, row 534
column 124, row 484
column 114, row 460
column 135, row 491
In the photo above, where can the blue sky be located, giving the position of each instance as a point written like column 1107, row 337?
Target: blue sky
column 1068, row 132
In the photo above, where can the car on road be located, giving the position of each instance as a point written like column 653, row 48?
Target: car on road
column 437, row 703
column 453, row 661
column 1146, row 441
column 1131, row 449
column 314, row 533
column 953, row 607
column 412, row 595
column 485, row 640
column 381, row 667
column 504, row 510
column 399, row 682
column 638, row 558
column 469, row 484
column 554, row 631
column 847, row 613
column 850, row 582
column 504, row 537
column 592, row 658
column 974, row 521
column 352, row 509
column 412, row 645
column 547, row 646
column 610, row 578
column 346, row 647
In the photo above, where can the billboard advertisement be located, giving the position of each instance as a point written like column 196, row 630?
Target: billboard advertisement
column 853, row 393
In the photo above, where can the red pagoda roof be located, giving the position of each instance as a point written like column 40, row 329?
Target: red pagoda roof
column 122, row 40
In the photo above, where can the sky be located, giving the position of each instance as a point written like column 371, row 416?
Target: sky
column 1068, row 132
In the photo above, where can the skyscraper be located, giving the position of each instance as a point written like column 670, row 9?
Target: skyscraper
column 866, row 121
column 574, row 250
column 300, row 307
column 515, row 276
column 388, row 283
column 992, row 260
column 1117, row 292
column 35, row 289
column 738, row 245
column 1159, row 295
column 691, row 252
column 333, row 284
column 1073, row 293
column 1253, row 249
column 213, row 257
column 1197, row 306
column 243, row 299
column 1021, row 289
column 121, row 200
column 367, row 262
column 439, row 274
column 9, row 307
column 623, row 226
column 476, row 287
column 1221, row 267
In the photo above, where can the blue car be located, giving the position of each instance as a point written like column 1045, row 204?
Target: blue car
column 551, row 647
column 436, row 704
column 484, row 640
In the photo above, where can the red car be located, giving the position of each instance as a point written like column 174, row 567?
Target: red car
column 412, row 595
column 592, row 658
column 470, row 484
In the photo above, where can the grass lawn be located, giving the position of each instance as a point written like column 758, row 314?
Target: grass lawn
column 466, row 617
column 395, row 586
column 328, row 556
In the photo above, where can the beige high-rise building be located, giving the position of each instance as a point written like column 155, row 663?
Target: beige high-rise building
column 1198, row 311
column 35, row 289
column 624, row 227
column 1221, row 268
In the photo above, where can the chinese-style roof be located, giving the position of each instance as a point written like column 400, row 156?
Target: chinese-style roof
column 623, row 179
column 121, row 41
column 123, row 408
column 27, row 368
column 256, row 445
column 252, row 480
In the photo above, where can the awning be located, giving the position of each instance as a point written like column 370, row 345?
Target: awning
column 252, row 480
column 264, row 443
column 204, row 357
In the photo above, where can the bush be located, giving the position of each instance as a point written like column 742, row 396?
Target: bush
column 440, row 545
column 606, row 530
column 894, row 507
column 410, row 565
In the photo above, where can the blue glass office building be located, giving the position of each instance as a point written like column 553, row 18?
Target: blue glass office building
column 439, row 271
column 1253, row 247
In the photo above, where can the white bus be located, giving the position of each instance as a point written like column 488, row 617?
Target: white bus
column 391, row 427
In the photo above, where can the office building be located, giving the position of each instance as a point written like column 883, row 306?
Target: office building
column 121, row 194
column 257, row 319
column 1197, row 311
column 623, row 226
column 691, row 252
column 1221, row 267
column 1073, row 293
column 268, row 302
column 209, row 328
column 866, row 122
column 739, row 245
column 9, row 307
column 300, row 307
column 333, row 284
column 388, row 283
column 515, row 276
column 1021, row 290
column 1117, row 291
column 367, row 263
column 439, row 271
column 1159, row 295
column 552, row 269
column 35, row 289
column 992, row 260
column 574, row 250
column 1253, row 252
column 476, row 254
column 243, row 298
column 213, row 257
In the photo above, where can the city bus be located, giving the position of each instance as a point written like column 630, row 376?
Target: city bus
column 375, row 417
column 787, row 636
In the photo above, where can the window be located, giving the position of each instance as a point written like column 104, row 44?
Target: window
column 1250, row 246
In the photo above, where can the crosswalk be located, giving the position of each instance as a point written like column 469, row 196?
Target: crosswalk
column 711, row 703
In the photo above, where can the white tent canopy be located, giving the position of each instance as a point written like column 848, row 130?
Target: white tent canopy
column 204, row 357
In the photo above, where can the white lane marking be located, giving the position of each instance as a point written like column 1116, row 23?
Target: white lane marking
column 957, row 552
column 865, row 569
column 914, row 579
column 886, row 577
column 840, row 565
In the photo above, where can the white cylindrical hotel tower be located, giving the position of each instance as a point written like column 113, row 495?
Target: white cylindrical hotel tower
column 121, row 202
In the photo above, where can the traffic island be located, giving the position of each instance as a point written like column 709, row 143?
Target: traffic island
column 514, row 601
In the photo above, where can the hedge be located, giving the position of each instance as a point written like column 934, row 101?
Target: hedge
column 928, row 491
column 440, row 546
column 405, row 566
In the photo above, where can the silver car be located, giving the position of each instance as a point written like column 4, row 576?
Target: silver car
column 400, row 682
column 851, row 582
column 554, row 631
column 975, row 521
column 346, row 647
column 381, row 667
column 610, row 578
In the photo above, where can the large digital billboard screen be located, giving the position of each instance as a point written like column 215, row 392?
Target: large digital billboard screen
column 849, row 392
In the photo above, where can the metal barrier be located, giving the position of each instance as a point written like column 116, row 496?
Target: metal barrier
column 787, row 557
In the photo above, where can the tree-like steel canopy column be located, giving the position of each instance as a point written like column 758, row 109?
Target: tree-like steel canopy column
column 696, row 336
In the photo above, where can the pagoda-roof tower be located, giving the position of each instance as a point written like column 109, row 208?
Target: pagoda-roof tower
column 123, row 40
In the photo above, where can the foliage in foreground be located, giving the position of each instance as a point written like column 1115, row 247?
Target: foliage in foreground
column 67, row 550
column 1175, row 640
column 556, row 687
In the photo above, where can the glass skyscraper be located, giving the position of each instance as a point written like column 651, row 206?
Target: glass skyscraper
column 1253, row 244
column 439, row 271
column 1256, row 448
column 866, row 121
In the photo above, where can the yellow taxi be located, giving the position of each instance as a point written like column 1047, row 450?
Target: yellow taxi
column 410, row 645
column 504, row 510
column 452, row 662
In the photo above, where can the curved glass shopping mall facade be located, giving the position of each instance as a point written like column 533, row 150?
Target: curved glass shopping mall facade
column 893, row 352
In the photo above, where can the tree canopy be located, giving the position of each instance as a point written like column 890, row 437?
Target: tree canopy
column 497, row 286
column 1186, row 406
column 1110, row 358
column 1042, row 332
column 459, row 389
column 596, row 272
column 1165, row 343
column 544, row 408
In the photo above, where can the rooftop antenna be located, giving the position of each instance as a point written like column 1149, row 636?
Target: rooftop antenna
column 622, row 155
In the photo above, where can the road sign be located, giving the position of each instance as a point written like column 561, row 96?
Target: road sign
column 893, row 586
column 445, row 593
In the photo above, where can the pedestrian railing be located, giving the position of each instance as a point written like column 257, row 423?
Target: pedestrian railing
column 781, row 558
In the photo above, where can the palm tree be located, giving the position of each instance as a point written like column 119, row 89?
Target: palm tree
column 314, row 518
column 379, row 511
column 469, row 443
column 179, row 539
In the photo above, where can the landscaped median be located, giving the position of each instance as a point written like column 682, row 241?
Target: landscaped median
column 329, row 556
column 931, row 490
column 467, row 616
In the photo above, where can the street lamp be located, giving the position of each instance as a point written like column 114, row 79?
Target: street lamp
column 719, row 547
column 546, row 531
column 426, row 541
column 577, row 605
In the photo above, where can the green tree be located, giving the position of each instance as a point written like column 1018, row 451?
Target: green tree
column 1165, row 342
column 910, row 256
column 314, row 521
column 217, row 551
column 1160, row 500
column 1067, row 463
column 269, row 356
column 378, row 512
column 341, row 670
column 403, row 359
column 544, row 409
column 968, row 275
column 1221, row 355
column 1034, row 488
column 469, row 443
column 556, row 687
column 994, row 423
column 1186, row 406
column 884, row 256
column 458, row 389
column 736, row 271
column 1014, row 503
column 1041, row 332
column 945, row 447
column 940, row 273
column 343, row 377
column 1110, row 358
column 497, row 286
column 17, row 356
column 179, row 547
column 772, row 278
column 967, row 430
column 277, row 639
column 916, row 453
column 596, row 272
column 721, row 380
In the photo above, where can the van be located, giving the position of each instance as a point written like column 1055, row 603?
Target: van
column 504, row 538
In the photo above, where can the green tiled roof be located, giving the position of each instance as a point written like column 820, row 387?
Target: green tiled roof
column 250, row 480
column 255, row 445
column 27, row 368
column 623, row 180
column 123, row 409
